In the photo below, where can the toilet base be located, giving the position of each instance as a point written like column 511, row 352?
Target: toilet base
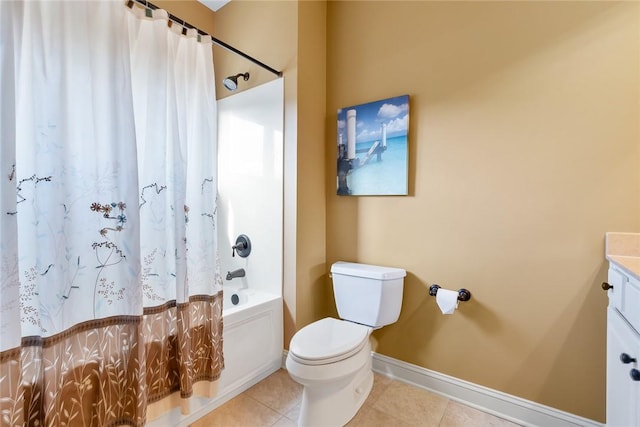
column 335, row 403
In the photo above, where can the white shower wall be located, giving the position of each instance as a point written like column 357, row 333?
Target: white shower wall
column 250, row 184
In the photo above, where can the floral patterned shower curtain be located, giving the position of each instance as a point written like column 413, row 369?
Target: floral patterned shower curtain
column 110, row 293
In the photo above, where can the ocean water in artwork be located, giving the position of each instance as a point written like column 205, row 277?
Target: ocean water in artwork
column 385, row 177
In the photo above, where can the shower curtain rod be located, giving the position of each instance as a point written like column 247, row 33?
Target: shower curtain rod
column 227, row 46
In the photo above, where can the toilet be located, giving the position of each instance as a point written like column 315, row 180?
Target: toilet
column 331, row 357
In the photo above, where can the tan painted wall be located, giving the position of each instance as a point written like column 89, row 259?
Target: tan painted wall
column 313, row 296
column 524, row 150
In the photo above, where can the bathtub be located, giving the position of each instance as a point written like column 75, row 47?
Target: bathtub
column 252, row 337
column 253, row 344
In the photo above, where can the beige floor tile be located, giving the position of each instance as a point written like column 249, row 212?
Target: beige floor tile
column 241, row 411
column 278, row 392
column 369, row 416
column 459, row 415
column 411, row 405
column 294, row 412
column 285, row 422
column 380, row 384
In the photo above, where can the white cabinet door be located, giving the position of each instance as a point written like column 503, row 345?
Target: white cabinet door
column 623, row 392
column 618, row 282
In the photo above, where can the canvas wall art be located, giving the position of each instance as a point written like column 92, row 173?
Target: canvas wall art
column 373, row 148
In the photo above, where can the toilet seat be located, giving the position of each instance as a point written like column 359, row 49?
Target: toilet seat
column 327, row 341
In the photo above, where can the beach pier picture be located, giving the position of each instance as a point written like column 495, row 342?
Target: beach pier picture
column 372, row 148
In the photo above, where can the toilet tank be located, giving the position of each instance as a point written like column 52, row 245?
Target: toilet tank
column 368, row 294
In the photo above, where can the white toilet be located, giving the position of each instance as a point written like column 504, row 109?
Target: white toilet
column 331, row 358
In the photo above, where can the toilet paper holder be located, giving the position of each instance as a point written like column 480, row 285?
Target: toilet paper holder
column 463, row 294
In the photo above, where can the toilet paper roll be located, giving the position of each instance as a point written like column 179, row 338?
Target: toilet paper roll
column 447, row 300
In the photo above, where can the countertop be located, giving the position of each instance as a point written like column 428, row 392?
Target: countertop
column 623, row 249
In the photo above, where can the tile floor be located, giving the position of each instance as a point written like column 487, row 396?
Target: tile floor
column 275, row 402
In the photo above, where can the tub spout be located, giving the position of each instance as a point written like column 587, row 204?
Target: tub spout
column 235, row 273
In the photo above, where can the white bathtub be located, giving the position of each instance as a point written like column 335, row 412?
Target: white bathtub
column 253, row 345
column 253, row 337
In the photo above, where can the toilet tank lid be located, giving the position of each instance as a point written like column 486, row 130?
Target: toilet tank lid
column 367, row 270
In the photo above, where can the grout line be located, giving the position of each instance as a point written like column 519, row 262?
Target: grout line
column 277, row 421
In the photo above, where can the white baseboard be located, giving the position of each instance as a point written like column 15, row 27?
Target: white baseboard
column 512, row 408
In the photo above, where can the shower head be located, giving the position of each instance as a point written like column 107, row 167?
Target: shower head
column 231, row 82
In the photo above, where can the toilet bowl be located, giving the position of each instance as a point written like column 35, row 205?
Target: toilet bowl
column 331, row 358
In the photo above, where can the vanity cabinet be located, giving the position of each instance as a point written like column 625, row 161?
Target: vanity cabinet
column 623, row 348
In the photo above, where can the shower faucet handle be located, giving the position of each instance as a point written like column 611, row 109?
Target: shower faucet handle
column 242, row 246
column 239, row 247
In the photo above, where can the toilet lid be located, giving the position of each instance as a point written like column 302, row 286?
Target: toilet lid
column 328, row 340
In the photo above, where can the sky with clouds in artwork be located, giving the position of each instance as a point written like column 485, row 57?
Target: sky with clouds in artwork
column 394, row 112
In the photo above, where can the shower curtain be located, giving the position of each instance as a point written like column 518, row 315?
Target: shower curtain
column 110, row 290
